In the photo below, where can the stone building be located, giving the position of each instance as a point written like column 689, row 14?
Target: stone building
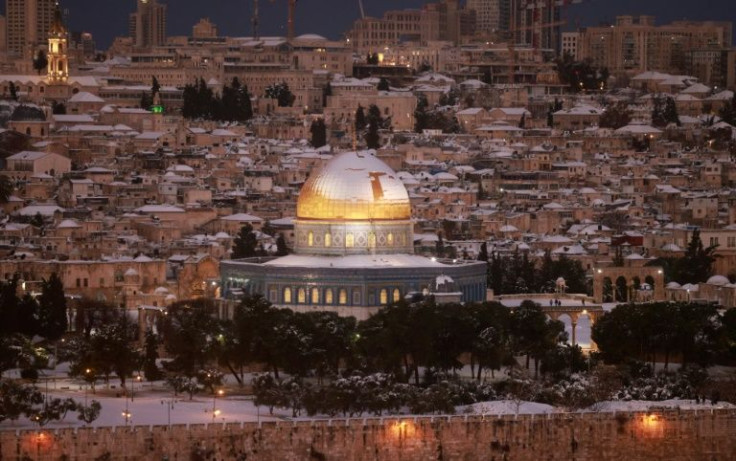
column 354, row 247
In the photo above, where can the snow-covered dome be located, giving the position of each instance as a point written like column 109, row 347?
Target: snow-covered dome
column 674, row 285
column 718, row 280
column 310, row 37
column 354, row 186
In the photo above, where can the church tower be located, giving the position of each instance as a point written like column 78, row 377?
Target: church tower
column 58, row 67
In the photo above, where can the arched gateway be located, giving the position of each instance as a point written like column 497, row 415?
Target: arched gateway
column 628, row 284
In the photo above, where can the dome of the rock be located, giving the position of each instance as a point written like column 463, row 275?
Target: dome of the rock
column 354, row 186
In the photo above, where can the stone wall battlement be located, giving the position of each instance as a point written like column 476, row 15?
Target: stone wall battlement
column 671, row 435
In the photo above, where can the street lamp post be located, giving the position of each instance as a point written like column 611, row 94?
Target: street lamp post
column 169, row 406
column 132, row 387
column 215, row 411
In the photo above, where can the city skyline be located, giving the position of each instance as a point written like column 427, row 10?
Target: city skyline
column 113, row 20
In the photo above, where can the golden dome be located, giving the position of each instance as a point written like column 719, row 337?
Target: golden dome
column 354, row 186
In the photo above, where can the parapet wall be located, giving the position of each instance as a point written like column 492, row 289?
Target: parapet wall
column 660, row 435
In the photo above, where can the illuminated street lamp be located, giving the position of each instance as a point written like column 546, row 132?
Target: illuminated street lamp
column 215, row 411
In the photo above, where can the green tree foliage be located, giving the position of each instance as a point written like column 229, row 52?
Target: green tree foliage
column 728, row 111
column 318, row 130
column 245, row 244
column 360, row 120
column 13, row 91
column 434, row 119
column 58, row 108
column 450, row 98
column 372, row 59
column 281, row 93
column 420, row 114
column 234, row 105
column 615, row 116
column 155, row 87
column 40, row 61
column 18, row 400
column 518, row 274
column 281, row 248
column 664, row 112
column 695, row 266
column 533, row 333
column 146, row 102
column 661, row 330
column 191, row 333
column 52, row 318
column 555, row 107
column 150, row 355
column 111, row 345
column 375, row 121
column 581, row 75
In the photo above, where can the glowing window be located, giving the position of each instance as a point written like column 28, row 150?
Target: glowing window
column 287, row 295
column 328, row 239
column 310, row 238
column 371, row 240
column 397, row 295
column 390, row 238
column 383, row 297
column 315, row 295
column 343, row 298
column 349, row 240
column 328, row 296
column 301, row 296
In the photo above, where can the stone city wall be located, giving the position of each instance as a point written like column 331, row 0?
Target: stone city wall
column 660, row 435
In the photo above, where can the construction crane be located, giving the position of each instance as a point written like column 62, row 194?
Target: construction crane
column 289, row 22
column 254, row 20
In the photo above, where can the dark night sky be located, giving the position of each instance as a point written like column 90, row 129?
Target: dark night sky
column 331, row 18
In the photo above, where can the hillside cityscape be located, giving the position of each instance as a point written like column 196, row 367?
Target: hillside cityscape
column 468, row 230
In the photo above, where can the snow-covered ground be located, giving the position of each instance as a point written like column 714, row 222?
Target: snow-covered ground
column 162, row 409
column 507, row 407
column 159, row 408
column 645, row 405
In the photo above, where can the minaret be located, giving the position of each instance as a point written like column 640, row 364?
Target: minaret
column 58, row 67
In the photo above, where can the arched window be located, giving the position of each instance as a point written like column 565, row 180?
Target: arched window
column 328, row 296
column 349, row 240
column 343, row 298
column 287, row 295
column 397, row 295
column 301, row 296
column 371, row 240
column 315, row 295
column 390, row 239
column 310, row 238
column 328, row 239
column 383, row 296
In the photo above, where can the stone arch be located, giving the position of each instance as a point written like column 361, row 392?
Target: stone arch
column 583, row 330
column 655, row 274
column 568, row 321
